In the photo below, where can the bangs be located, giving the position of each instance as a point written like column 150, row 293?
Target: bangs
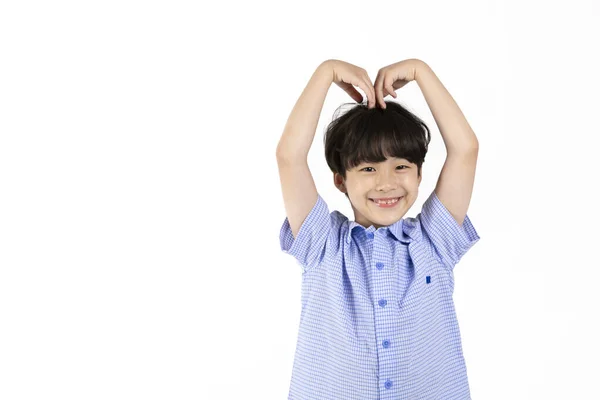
column 365, row 135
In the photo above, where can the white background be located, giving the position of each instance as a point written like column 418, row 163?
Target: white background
column 140, row 201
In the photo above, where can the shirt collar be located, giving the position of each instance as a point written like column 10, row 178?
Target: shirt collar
column 404, row 230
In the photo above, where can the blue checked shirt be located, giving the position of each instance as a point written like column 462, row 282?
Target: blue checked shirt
column 378, row 319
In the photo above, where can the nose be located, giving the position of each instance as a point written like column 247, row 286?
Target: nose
column 385, row 182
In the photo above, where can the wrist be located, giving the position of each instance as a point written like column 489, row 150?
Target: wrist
column 326, row 69
column 421, row 69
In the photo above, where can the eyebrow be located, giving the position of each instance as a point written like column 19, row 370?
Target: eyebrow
column 396, row 160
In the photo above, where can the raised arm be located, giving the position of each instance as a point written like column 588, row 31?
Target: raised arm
column 297, row 184
column 455, row 183
column 301, row 125
column 300, row 128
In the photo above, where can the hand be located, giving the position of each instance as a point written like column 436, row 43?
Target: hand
column 395, row 76
column 347, row 76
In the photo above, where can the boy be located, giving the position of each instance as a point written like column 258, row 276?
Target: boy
column 378, row 319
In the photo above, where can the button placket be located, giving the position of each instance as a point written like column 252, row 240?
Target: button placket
column 385, row 343
column 382, row 303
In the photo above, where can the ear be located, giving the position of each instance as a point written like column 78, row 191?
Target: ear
column 338, row 181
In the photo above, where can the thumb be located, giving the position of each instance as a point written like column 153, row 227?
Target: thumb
column 351, row 90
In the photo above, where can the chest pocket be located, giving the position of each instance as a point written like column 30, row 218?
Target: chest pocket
column 428, row 290
column 424, row 289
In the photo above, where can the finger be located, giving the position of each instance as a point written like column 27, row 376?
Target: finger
column 372, row 87
column 351, row 90
column 365, row 88
column 377, row 83
column 368, row 89
column 399, row 84
column 391, row 91
column 371, row 91
column 379, row 88
column 355, row 94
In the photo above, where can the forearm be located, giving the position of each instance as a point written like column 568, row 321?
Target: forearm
column 454, row 128
column 299, row 131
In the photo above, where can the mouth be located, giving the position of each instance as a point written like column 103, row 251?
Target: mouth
column 386, row 205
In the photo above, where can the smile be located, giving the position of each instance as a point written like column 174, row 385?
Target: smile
column 390, row 204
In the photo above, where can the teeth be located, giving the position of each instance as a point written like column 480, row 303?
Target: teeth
column 386, row 202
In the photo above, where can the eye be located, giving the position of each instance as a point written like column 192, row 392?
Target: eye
column 398, row 166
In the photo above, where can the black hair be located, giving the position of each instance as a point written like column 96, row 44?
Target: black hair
column 373, row 135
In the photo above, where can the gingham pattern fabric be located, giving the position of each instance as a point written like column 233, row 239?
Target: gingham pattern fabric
column 378, row 318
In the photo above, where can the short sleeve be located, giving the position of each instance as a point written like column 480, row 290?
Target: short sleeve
column 450, row 240
column 309, row 246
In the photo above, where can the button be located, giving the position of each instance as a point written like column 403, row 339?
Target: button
column 379, row 265
column 370, row 235
column 382, row 303
column 386, row 343
column 388, row 384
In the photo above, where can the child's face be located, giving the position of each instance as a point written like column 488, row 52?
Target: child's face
column 394, row 177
